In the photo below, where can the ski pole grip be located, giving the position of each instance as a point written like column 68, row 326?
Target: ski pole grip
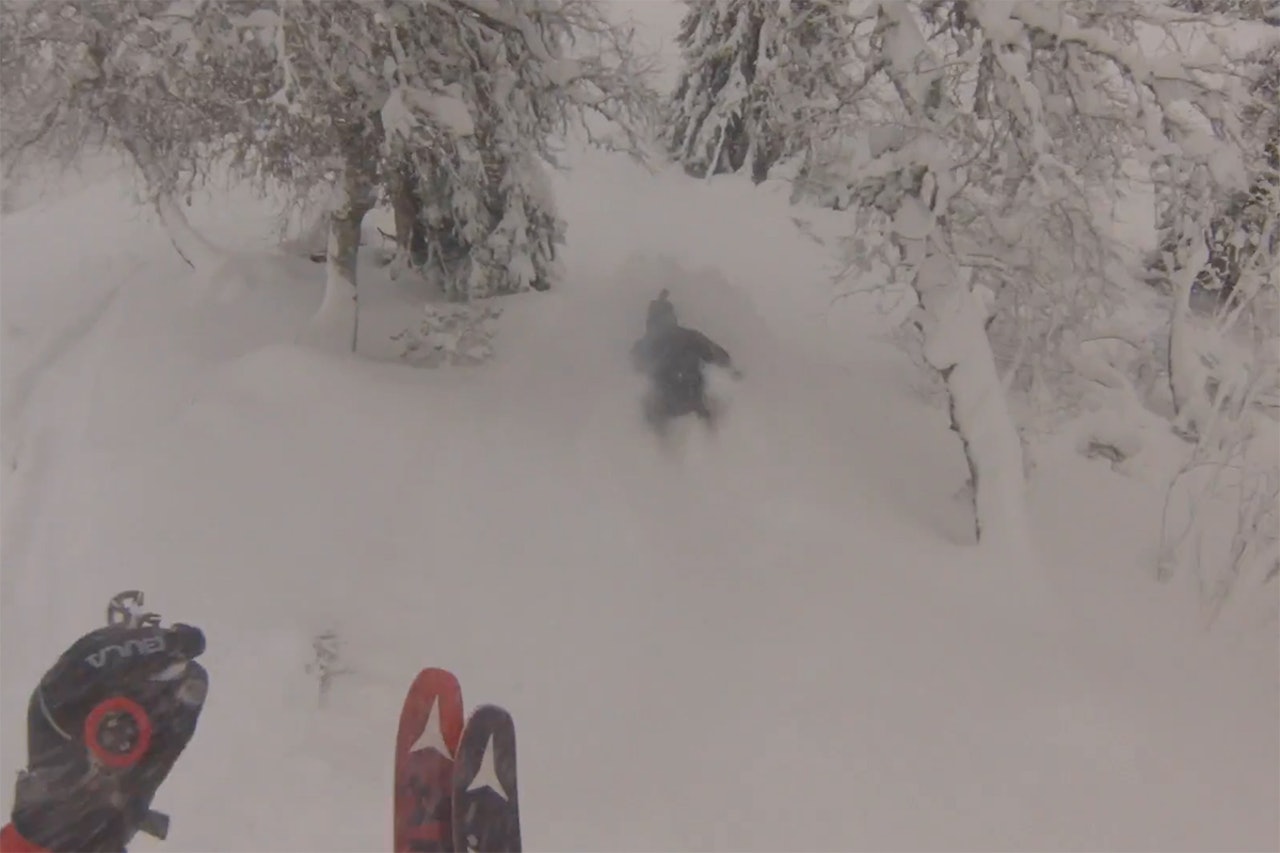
column 155, row 824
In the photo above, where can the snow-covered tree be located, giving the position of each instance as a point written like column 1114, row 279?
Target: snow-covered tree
column 756, row 76
column 317, row 123
column 452, row 107
column 487, row 217
column 1224, row 359
column 460, row 99
column 1217, row 235
column 996, row 124
column 142, row 77
column 506, row 81
column 1263, row 11
column 1242, row 239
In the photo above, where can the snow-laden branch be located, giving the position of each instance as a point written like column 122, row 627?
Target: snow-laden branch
column 1163, row 81
column 1147, row 72
column 502, row 15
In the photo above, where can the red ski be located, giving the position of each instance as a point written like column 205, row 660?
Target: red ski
column 426, row 744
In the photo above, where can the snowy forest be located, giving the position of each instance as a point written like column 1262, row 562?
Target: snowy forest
column 954, row 168
column 975, row 147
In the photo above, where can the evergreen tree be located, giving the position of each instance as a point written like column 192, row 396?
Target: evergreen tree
column 1244, row 237
column 475, row 121
column 450, row 107
column 1005, row 124
column 756, row 76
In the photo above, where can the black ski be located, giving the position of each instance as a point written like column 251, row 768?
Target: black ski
column 486, row 804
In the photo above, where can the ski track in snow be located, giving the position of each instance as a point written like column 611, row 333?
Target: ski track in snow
column 785, row 619
column 53, row 352
column 42, row 490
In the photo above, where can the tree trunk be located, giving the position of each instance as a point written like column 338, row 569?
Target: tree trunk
column 1186, row 229
column 337, row 323
column 956, row 344
column 713, row 167
column 959, row 348
column 339, row 316
column 953, row 324
column 406, row 204
column 1186, row 373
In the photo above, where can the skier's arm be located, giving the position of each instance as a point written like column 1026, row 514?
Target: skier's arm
column 714, row 353
column 11, row 841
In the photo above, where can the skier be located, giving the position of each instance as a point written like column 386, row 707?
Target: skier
column 673, row 357
column 104, row 727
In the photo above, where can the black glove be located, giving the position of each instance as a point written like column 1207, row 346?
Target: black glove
column 104, row 728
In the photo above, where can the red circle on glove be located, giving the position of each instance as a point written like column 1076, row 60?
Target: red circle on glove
column 117, row 705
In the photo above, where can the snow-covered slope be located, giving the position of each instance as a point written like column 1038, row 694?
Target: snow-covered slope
column 777, row 638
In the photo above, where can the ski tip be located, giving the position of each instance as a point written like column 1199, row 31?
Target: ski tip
column 491, row 711
column 434, row 681
column 432, row 708
column 435, row 675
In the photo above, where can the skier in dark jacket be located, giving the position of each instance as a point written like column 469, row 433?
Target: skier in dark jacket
column 674, row 358
column 104, row 727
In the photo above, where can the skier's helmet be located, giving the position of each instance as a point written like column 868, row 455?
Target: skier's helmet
column 662, row 314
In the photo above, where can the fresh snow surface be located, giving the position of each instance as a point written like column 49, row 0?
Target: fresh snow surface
column 779, row 638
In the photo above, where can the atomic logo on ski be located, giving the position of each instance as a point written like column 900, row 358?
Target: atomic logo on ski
column 432, row 736
column 487, row 776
